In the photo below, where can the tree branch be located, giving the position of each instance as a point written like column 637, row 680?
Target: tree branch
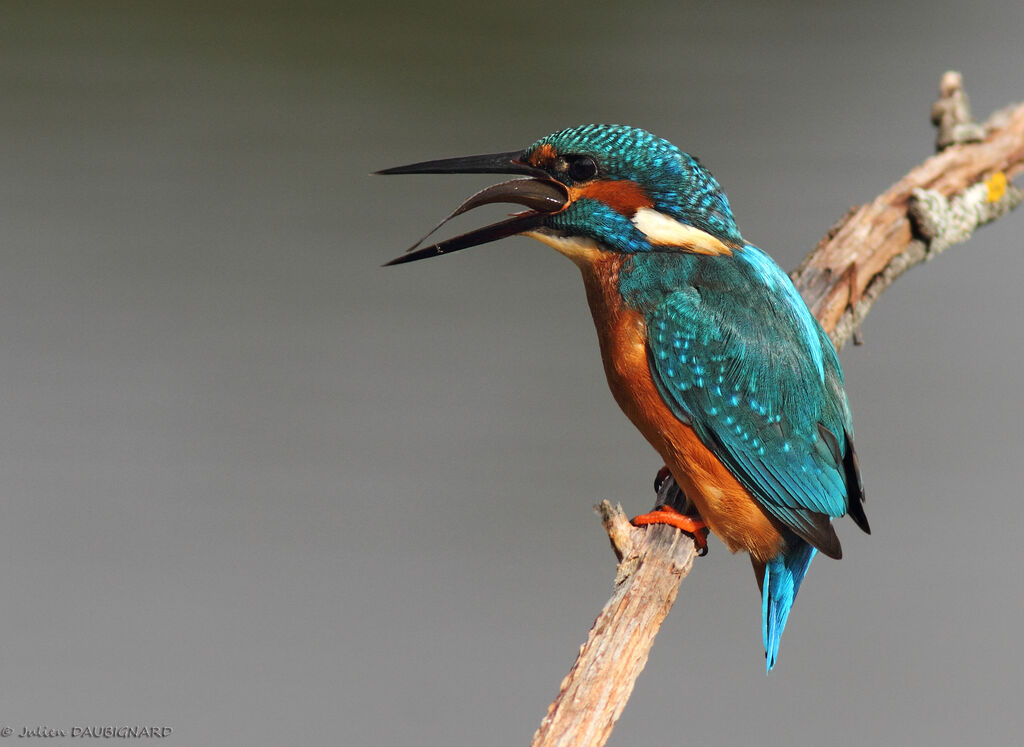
column 937, row 204
column 876, row 243
column 652, row 564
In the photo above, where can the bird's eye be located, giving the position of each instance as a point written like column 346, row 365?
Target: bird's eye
column 582, row 168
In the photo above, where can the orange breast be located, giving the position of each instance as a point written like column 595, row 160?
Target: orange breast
column 724, row 504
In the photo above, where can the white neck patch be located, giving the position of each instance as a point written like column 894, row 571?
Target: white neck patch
column 664, row 230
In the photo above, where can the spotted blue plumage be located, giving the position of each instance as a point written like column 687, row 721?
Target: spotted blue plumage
column 733, row 351
column 761, row 385
column 758, row 381
column 677, row 182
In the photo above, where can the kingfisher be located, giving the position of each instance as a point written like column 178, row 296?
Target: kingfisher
column 707, row 345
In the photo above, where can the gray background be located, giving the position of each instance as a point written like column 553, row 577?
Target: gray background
column 261, row 490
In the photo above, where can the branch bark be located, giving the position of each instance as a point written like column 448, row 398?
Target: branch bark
column 936, row 204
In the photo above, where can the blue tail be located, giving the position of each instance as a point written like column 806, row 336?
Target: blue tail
column 782, row 577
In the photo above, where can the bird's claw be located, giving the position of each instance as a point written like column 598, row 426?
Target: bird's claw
column 660, row 478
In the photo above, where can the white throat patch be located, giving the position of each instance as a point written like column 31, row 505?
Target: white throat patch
column 579, row 249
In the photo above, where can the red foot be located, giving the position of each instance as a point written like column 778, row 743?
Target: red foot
column 668, row 515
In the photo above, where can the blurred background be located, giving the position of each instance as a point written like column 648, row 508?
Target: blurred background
column 260, row 490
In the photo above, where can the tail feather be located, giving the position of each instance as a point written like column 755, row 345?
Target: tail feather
column 782, row 577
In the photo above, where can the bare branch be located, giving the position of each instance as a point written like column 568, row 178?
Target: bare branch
column 595, row 691
column 938, row 203
column 876, row 243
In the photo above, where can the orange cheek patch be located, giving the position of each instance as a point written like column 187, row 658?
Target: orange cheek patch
column 623, row 196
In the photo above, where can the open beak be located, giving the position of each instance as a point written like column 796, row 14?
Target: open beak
column 543, row 195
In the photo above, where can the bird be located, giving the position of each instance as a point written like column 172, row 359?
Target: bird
column 707, row 346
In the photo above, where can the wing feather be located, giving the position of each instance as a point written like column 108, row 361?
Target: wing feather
column 762, row 386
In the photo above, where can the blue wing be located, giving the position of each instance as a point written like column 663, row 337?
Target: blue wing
column 737, row 355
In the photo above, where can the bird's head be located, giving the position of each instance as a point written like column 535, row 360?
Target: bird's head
column 611, row 187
